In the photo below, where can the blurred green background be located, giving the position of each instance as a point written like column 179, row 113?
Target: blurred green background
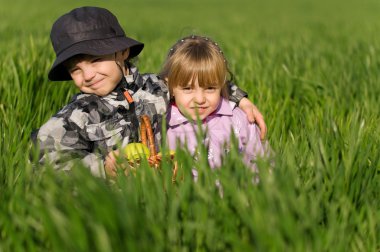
column 312, row 67
column 241, row 22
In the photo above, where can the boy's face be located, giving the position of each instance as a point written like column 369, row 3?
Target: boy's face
column 196, row 100
column 96, row 74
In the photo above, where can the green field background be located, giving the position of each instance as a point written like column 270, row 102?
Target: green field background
column 312, row 68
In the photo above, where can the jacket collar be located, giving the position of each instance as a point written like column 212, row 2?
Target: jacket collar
column 127, row 82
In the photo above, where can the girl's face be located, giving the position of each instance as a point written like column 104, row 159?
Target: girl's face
column 196, row 101
column 96, row 74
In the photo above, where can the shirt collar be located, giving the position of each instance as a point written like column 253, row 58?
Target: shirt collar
column 176, row 117
column 133, row 74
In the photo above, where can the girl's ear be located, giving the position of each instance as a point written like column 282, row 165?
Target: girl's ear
column 125, row 54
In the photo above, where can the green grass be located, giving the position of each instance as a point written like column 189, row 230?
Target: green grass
column 312, row 67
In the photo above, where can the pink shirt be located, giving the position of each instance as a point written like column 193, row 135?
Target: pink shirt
column 219, row 125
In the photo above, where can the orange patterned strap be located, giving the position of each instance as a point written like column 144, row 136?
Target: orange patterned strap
column 143, row 133
column 128, row 96
column 147, row 136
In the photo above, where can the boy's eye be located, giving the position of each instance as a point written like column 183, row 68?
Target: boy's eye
column 73, row 70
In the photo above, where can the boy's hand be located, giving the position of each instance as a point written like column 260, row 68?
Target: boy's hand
column 110, row 163
column 254, row 115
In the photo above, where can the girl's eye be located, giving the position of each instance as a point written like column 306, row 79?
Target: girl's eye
column 187, row 89
column 211, row 89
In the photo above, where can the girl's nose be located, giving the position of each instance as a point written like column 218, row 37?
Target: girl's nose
column 199, row 97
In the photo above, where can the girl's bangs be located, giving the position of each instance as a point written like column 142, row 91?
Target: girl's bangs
column 210, row 73
column 206, row 72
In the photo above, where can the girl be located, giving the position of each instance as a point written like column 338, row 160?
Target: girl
column 197, row 75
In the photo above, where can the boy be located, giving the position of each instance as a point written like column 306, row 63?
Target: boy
column 93, row 51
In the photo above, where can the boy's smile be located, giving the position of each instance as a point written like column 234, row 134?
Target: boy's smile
column 94, row 84
column 96, row 74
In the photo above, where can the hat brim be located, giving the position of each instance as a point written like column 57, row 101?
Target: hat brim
column 58, row 71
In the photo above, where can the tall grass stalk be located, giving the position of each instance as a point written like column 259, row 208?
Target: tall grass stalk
column 312, row 69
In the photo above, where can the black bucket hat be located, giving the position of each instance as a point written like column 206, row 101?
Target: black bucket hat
column 87, row 30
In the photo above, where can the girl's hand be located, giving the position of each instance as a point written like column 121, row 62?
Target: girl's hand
column 254, row 115
column 110, row 163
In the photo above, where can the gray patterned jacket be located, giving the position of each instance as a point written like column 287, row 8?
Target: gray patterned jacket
column 90, row 126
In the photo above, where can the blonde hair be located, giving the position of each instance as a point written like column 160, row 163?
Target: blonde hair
column 196, row 58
